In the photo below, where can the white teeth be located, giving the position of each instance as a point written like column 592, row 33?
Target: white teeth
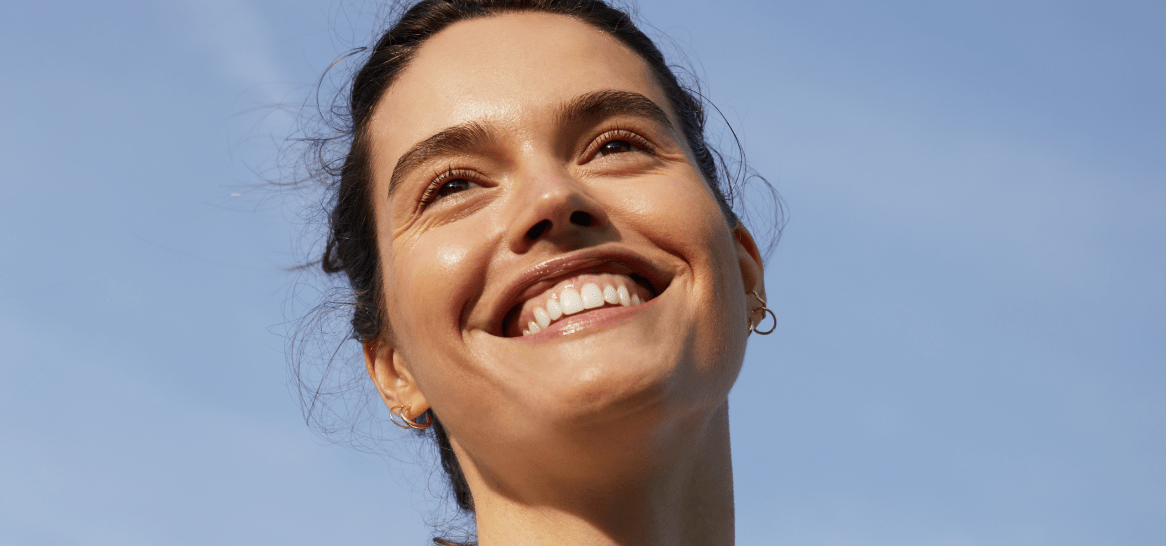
column 571, row 301
column 610, row 295
column 592, row 296
column 625, row 299
column 541, row 317
column 554, row 310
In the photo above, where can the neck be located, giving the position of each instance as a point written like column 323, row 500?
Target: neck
column 676, row 489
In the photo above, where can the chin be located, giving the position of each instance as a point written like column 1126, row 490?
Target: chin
column 642, row 362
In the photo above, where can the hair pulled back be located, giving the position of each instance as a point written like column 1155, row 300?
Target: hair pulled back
column 351, row 246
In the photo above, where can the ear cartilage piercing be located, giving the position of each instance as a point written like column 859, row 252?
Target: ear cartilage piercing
column 764, row 311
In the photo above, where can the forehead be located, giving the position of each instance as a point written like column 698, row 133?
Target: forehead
column 500, row 70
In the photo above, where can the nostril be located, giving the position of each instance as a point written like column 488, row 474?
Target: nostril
column 538, row 229
column 581, row 218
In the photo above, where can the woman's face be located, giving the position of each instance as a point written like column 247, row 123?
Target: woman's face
column 552, row 259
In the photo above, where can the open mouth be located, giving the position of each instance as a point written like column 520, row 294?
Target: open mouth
column 555, row 293
column 576, row 295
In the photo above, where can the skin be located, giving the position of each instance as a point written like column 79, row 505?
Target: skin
column 614, row 431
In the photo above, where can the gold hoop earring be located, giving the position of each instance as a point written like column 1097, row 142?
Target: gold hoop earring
column 764, row 311
column 408, row 424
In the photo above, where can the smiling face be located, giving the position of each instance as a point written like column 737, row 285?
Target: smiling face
column 553, row 262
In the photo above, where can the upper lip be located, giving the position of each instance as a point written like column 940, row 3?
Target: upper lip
column 545, row 274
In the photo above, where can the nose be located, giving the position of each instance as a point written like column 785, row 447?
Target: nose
column 554, row 208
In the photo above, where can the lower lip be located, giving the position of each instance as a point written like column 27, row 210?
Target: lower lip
column 605, row 317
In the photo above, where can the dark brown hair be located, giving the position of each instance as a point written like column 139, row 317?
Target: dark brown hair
column 351, row 246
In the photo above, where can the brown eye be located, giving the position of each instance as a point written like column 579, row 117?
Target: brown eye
column 453, row 186
column 616, row 147
column 448, row 183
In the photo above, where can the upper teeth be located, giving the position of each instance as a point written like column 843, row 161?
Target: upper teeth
column 570, row 301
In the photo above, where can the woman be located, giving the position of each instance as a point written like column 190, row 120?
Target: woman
column 546, row 270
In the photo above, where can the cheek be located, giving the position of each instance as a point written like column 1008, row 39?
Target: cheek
column 425, row 282
column 692, row 226
column 434, row 277
column 684, row 217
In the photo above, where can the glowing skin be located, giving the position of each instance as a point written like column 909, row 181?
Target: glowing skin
column 608, row 424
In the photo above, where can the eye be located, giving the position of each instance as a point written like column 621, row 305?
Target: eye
column 616, row 147
column 619, row 141
column 453, row 186
column 446, row 184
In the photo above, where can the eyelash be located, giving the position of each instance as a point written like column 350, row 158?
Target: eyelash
column 592, row 151
column 618, row 134
column 439, row 180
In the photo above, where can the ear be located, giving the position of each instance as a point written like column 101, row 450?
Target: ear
column 390, row 373
column 749, row 260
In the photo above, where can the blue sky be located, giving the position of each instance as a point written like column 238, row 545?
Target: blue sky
column 970, row 344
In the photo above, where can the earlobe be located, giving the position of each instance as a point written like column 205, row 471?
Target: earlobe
column 391, row 375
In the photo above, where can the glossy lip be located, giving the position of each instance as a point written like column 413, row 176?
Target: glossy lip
column 588, row 320
column 594, row 260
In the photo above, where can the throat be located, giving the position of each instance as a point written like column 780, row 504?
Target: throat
column 678, row 494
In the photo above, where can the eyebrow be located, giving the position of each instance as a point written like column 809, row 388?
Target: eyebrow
column 609, row 103
column 585, row 108
column 450, row 141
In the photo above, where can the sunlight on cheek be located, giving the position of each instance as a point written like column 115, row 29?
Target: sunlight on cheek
column 448, row 258
column 435, row 262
